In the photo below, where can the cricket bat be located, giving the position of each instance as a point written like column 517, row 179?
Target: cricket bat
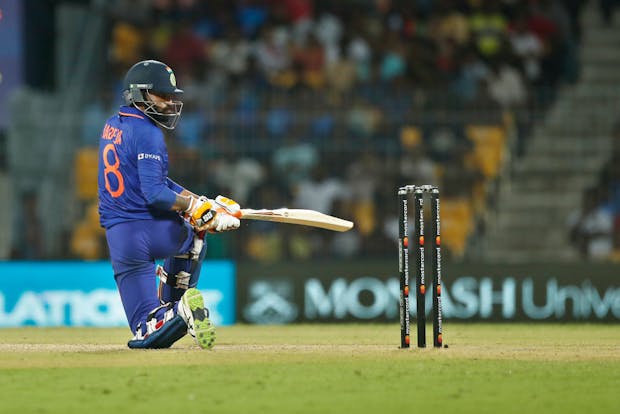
column 298, row 216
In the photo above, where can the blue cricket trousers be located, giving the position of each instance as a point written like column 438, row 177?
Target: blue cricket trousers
column 134, row 246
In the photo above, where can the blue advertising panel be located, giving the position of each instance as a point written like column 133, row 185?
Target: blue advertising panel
column 84, row 294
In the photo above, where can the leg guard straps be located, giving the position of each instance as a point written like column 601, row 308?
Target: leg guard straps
column 179, row 281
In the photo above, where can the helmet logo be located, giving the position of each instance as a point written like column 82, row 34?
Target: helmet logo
column 173, row 79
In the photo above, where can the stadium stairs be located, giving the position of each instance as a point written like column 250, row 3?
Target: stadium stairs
column 564, row 154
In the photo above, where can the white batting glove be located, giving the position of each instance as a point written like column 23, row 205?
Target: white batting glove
column 223, row 222
column 228, row 212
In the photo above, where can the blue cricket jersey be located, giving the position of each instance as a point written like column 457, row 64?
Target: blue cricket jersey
column 133, row 170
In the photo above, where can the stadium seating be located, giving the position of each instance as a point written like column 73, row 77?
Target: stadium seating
column 85, row 167
column 457, row 224
column 489, row 147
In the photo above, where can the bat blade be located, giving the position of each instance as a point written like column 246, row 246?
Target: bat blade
column 298, row 216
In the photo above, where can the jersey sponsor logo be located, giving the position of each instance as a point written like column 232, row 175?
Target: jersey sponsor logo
column 146, row 156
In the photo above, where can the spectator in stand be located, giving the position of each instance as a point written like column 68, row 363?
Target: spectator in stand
column 447, row 63
column 309, row 62
column 445, row 139
column 552, row 60
column 422, row 62
column 471, row 76
column 265, row 241
column 190, row 132
column 489, row 28
column 185, row 50
column 231, row 55
column 393, row 65
column 300, row 14
column 527, row 47
column 565, row 40
column 610, row 175
column 360, row 53
column 94, row 112
column 240, row 176
column 506, row 86
column 299, row 10
column 363, row 119
column 252, row 15
column 329, row 31
column 591, row 227
column 415, row 166
column 362, row 178
column 450, row 25
column 273, row 56
column 341, row 75
column 294, row 161
column 279, row 121
column 319, row 191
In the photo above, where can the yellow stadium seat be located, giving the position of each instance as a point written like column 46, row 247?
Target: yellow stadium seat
column 489, row 147
column 364, row 215
column 410, row 136
column 85, row 170
column 88, row 238
column 456, row 224
column 285, row 79
column 86, row 243
column 91, row 218
column 265, row 247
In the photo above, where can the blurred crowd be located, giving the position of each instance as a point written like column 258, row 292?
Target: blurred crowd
column 595, row 225
column 332, row 105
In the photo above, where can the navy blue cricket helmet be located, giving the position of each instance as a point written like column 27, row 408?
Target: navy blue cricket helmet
column 154, row 77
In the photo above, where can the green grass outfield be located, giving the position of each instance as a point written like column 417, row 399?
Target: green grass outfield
column 488, row 368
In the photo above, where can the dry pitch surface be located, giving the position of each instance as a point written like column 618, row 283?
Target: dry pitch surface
column 496, row 368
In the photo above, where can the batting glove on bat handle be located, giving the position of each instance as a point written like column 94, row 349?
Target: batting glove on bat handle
column 200, row 213
column 227, row 205
column 223, row 222
column 228, row 214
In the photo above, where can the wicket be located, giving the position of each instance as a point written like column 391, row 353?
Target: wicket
column 403, row 263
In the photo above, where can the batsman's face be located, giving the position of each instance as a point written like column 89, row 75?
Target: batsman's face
column 164, row 103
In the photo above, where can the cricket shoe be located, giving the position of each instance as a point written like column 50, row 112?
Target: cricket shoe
column 192, row 310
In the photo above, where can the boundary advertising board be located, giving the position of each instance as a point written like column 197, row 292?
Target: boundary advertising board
column 369, row 291
column 84, row 294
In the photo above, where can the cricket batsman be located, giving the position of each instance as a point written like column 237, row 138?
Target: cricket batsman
column 147, row 216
